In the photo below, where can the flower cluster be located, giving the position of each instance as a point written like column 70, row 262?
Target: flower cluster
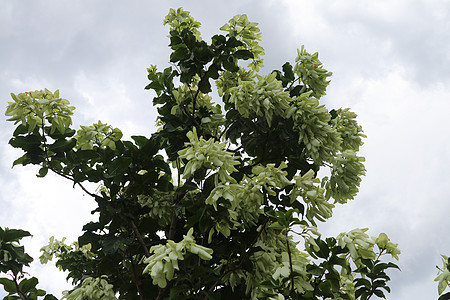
column 358, row 243
column 312, row 121
column 264, row 98
column 444, row 275
column 384, row 244
column 101, row 135
column 229, row 79
column 311, row 73
column 35, row 108
column 351, row 132
column 247, row 32
column 59, row 248
column 207, row 153
column 275, row 261
column 91, row 289
column 180, row 19
column 244, row 200
column 345, row 178
column 162, row 264
column 308, row 188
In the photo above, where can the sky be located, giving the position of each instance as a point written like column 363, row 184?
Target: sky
column 390, row 62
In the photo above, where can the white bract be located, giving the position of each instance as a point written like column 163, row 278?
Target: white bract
column 92, row 289
column 163, row 262
column 264, row 98
column 36, row 108
column 210, row 154
column 444, row 275
column 59, row 248
column 358, row 243
column 99, row 134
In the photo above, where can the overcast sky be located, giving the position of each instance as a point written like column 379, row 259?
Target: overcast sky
column 390, row 62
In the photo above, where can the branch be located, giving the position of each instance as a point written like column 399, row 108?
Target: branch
column 173, row 223
column 139, row 236
column 49, row 165
column 290, row 262
column 135, row 274
column 19, row 291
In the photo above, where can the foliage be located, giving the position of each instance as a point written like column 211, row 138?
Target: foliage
column 444, row 278
column 222, row 202
column 12, row 260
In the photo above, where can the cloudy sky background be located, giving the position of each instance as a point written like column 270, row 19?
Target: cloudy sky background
column 390, row 62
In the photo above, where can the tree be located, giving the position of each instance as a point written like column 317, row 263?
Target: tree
column 222, row 202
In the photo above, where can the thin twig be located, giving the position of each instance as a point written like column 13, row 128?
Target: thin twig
column 19, row 290
column 290, row 261
column 136, row 280
column 139, row 236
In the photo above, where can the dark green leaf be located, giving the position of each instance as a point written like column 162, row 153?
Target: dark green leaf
column 13, row 235
column 179, row 54
column 230, row 65
column 233, row 43
column 445, row 296
column 288, row 72
column 204, row 85
column 243, row 54
column 118, row 166
column 380, row 294
column 26, row 285
column 26, row 142
column 8, row 285
column 112, row 243
column 363, row 282
column 42, row 172
column 213, row 71
column 139, row 140
column 23, row 160
column 21, row 129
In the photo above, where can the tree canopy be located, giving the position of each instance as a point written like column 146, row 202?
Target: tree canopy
column 223, row 200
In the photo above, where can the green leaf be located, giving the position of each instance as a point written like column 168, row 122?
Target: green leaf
column 445, row 296
column 233, row 43
column 288, row 72
column 179, row 54
column 21, row 129
column 175, row 40
column 13, row 235
column 243, row 54
column 324, row 250
column 26, row 285
column 213, row 71
column 60, row 146
column 361, row 293
column 50, row 297
column 8, row 285
column 140, row 140
column 380, row 294
column 23, row 160
column 26, row 143
column 42, row 172
column 363, row 282
column 118, row 166
column 112, row 243
column 204, row 85
column 230, row 65
column 162, row 165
